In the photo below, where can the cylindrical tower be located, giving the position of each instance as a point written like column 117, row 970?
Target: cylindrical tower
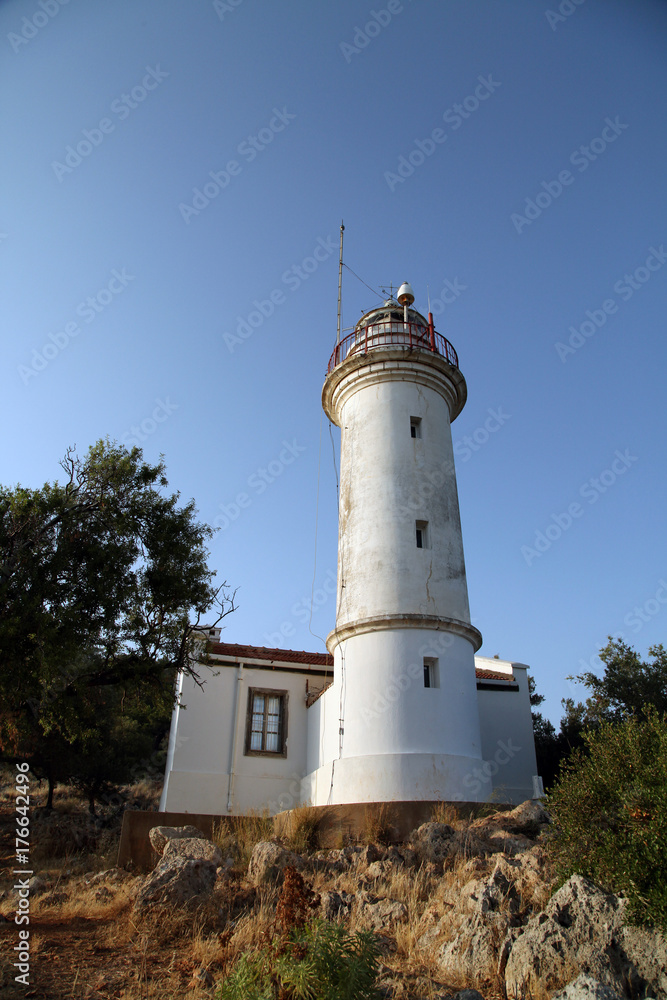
column 407, row 725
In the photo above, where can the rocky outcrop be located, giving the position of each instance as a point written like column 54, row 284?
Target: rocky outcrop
column 336, row 904
column 159, row 835
column 586, row 988
column 193, row 848
column 378, row 914
column 178, row 881
column 582, row 931
column 268, row 862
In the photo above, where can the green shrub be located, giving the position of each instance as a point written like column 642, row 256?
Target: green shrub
column 610, row 811
column 320, row 961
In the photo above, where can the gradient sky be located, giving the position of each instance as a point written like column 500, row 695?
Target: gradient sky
column 531, row 141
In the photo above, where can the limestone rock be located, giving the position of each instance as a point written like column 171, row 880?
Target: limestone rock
column 177, row 880
column 194, row 848
column 577, row 932
column 586, row 988
column 268, row 861
column 368, row 855
column 528, row 813
column 431, row 841
column 646, row 948
column 380, row 913
column 336, row 904
column 159, row 835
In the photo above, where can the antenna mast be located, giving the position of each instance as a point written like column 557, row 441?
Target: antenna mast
column 340, row 276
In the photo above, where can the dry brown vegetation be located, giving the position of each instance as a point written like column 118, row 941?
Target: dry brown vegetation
column 87, row 943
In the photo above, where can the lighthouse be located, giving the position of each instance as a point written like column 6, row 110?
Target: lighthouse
column 401, row 719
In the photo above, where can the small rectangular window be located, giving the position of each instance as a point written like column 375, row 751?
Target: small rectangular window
column 421, row 534
column 266, row 723
column 431, row 672
column 415, row 427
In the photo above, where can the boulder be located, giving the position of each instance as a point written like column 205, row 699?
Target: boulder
column 194, row 848
column 528, row 814
column 177, row 880
column 368, row 855
column 336, row 904
column 577, row 932
column 431, row 842
column 159, row 835
column 380, row 913
column 586, row 988
column 646, row 948
column 268, row 862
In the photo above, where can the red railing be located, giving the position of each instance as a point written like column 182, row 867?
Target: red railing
column 411, row 336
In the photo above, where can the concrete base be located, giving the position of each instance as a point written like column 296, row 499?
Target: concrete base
column 401, row 777
column 337, row 825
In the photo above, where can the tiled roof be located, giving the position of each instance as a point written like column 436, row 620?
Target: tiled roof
column 493, row 675
column 240, row 652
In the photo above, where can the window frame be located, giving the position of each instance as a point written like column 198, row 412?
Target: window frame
column 416, row 426
column 422, row 535
column 283, row 697
column 432, row 670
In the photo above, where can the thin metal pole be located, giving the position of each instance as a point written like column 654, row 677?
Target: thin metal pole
column 340, row 277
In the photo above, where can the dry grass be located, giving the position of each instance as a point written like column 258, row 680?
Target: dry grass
column 301, row 826
column 377, row 824
column 237, row 836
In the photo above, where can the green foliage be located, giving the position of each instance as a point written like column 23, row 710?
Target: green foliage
column 626, row 688
column 610, row 809
column 320, row 961
column 101, row 578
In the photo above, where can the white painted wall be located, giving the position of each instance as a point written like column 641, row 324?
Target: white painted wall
column 199, row 769
column 508, row 745
column 388, row 481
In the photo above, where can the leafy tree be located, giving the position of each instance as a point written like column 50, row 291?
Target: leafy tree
column 627, row 687
column 103, row 582
column 610, row 809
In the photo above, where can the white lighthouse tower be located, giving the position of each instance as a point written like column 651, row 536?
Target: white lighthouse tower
column 401, row 720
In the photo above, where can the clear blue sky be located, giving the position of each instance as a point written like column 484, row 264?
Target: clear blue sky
column 305, row 116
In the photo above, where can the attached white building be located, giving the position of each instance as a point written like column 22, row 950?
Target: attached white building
column 401, row 710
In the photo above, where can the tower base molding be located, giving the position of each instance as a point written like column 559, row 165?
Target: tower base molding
column 404, row 777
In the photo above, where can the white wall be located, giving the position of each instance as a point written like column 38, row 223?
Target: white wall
column 198, row 776
column 390, row 480
column 507, row 735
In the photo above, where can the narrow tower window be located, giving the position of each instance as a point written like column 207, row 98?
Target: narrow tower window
column 415, row 427
column 431, row 672
column 421, row 534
